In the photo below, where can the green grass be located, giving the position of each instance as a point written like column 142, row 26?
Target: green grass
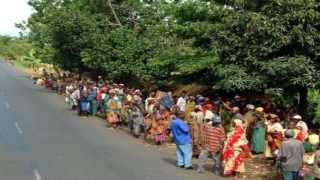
column 19, row 65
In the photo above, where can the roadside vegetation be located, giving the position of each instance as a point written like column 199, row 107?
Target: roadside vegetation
column 268, row 47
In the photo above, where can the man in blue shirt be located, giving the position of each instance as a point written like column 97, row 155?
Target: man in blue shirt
column 182, row 139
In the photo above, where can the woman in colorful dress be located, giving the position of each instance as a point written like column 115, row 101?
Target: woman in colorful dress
column 158, row 126
column 259, row 135
column 274, row 135
column 112, row 116
column 302, row 131
column 236, row 149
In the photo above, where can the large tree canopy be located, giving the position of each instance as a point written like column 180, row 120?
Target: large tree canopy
column 237, row 45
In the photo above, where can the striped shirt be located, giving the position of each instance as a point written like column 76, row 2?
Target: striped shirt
column 214, row 137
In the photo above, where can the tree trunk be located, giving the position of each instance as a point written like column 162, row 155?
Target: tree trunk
column 303, row 101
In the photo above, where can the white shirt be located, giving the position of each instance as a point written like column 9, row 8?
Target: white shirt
column 181, row 103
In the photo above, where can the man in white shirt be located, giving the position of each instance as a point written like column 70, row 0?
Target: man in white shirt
column 182, row 102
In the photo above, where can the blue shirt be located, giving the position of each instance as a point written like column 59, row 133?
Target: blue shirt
column 180, row 132
column 167, row 101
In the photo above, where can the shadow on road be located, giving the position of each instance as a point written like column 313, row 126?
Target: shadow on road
column 171, row 161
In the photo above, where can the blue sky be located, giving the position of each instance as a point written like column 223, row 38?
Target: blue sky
column 11, row 12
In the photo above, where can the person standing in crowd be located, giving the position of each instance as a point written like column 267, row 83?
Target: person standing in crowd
column 112, row 116
column 182, row 101
column 214, row 139
column 249, row 119
column 69, row 89
column 290, row 156
column 249, row 115
column 167, row 101
column 302, row 129
column 208, row 112
column 191, row 104
column 150, row 103
column 136, row 115
column 239, row 102
column 100, row 81
column 137, row 99
column 75, row 97
column 315, row 171
column 182, row 139
column 236, row 113
column 92, row 98
column 258, row 134
column 275, row 135
column 197, row 129
column 236, row 149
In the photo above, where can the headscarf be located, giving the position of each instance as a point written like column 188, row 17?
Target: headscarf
column 297, row 117
column 238, row 122
column 250, row 106
column 259, row 109
column 303, row 126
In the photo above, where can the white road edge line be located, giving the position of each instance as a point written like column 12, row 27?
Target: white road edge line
column 7, row 105
column 18, row 128
column 37, row 174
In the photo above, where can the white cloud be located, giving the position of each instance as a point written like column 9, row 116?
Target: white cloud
column 11, row 12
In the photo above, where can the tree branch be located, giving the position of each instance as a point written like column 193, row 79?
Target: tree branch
column 114, row 13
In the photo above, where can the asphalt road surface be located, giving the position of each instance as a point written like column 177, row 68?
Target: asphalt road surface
column 41, row 140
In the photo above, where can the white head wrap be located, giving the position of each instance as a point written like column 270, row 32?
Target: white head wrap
column 303, row 126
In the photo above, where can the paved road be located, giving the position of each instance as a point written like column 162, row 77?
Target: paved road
column 41, row 140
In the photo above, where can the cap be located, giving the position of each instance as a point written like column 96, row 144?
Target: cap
column 216, row 119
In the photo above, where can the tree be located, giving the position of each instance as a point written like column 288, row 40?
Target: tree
column 238, row 45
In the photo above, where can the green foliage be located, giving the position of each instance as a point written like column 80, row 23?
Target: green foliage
column 14, row 48
column 238, row 45
column 30, row 60
column 314, row 99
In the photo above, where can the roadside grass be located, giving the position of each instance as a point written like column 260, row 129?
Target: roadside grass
column 19, row 65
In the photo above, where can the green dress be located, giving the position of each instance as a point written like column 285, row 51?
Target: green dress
column 258, row 138
column 69, row 103
column 105, row 104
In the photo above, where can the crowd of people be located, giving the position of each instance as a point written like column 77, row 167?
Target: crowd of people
column 226, row 131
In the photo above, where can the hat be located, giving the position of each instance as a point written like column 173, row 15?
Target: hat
column 216, row 119
column 250, row 106
column 297, row 116
column 259, row 109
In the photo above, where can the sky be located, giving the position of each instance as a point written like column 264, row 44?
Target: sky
column 11, row 12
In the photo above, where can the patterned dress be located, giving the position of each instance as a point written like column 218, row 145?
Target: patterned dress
column 235, row 152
